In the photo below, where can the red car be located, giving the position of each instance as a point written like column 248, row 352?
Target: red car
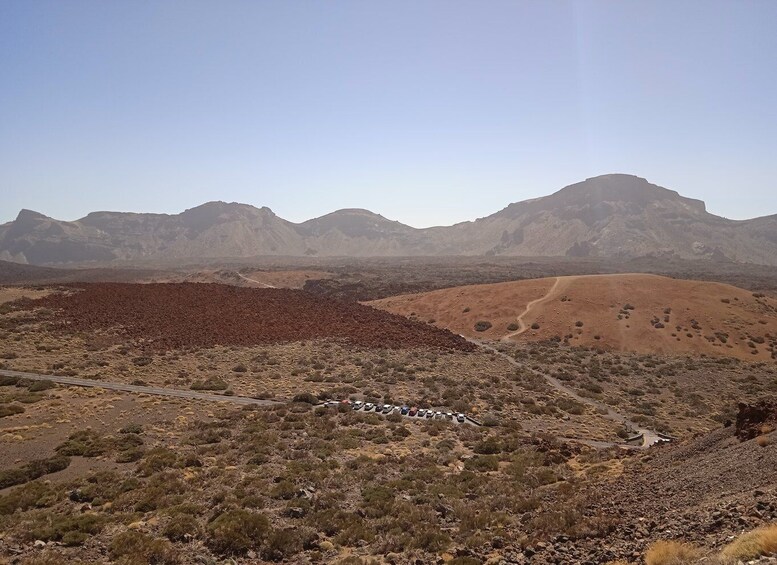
column 413, row 411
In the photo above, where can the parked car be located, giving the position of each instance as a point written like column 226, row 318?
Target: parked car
column 437, row 415
column 378, row 408
column 388, row 408
column 429, row 413
column 356, row 406
column 404, row 410
column 421, row 412
column 449, row 415
column 369, row 406
column 460, row 418
column 413, row 411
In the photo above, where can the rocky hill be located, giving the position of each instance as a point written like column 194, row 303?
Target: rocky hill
column 625, row 312
column 613, row 216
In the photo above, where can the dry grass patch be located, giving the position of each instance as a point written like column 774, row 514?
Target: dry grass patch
column 672, row 553
column 751, row 545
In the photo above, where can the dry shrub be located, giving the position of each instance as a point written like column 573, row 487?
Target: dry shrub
column 763, row 441
column 751, row 545
column 671, row 553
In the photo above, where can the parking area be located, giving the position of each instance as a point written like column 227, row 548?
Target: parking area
column 411, row 412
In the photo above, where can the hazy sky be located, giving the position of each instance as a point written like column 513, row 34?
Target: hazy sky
column 426, row 112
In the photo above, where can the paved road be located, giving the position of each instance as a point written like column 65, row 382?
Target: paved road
column 649, row 437
column 190, row 394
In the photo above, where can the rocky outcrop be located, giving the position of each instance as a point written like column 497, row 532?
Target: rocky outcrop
column 755, row 419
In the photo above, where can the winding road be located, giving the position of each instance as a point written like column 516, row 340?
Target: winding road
column 265, row 285
column 649, row 437
column 560, row 284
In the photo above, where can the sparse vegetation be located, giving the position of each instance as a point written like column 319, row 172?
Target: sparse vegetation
column 235, row 532
column 212, row 383
column 32, row 470
column 671, row 553
column 754, row 544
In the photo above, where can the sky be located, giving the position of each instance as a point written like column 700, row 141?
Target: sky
column 427, row 112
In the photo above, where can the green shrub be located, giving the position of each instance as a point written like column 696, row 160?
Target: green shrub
column 181, row 527
column 305, row 397
column 157, row 459
column 33, row 495
column 132, row 428
column 69, row 529
column 213, row 383
column 136, row 548
column 482, row 463
column 32, row 471
column 8, row 381
column 482, row 326
column 39, row 386
column 10, row 410
column 282, row 543
column 85, row 443
column 237, row 531
column 488, row 446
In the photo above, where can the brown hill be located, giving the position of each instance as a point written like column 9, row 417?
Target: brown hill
column 611, row 216
column 633, row 312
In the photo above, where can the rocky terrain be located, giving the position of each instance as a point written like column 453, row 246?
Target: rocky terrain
column 703, row 493
column 186, row 315
column 98, row 476
column 611, row 216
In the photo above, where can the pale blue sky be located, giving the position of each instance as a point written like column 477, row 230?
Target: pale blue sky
column 426, row 112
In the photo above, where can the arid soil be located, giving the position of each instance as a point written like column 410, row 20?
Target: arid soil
column 154, row 480
column 681, row 396
column 636, row 313
column 174, row 316
column 286, row 279
column 704, row 492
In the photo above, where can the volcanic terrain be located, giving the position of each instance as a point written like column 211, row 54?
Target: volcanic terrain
column 166, row 316
column 633, row 312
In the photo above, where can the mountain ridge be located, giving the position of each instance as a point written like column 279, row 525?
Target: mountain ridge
column 615, row 215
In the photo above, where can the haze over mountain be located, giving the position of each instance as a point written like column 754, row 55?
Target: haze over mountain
column 610, row 216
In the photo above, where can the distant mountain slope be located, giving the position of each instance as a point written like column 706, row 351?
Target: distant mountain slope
column 610, row 216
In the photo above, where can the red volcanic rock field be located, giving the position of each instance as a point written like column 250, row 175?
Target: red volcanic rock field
column 185, row 315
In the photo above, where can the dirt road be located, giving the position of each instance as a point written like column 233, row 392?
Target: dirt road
column 264, row 285
column 649, row 437
column 72, row 381
column 522, row 327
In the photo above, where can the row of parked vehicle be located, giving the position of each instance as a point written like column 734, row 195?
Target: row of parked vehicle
column 409, row 411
